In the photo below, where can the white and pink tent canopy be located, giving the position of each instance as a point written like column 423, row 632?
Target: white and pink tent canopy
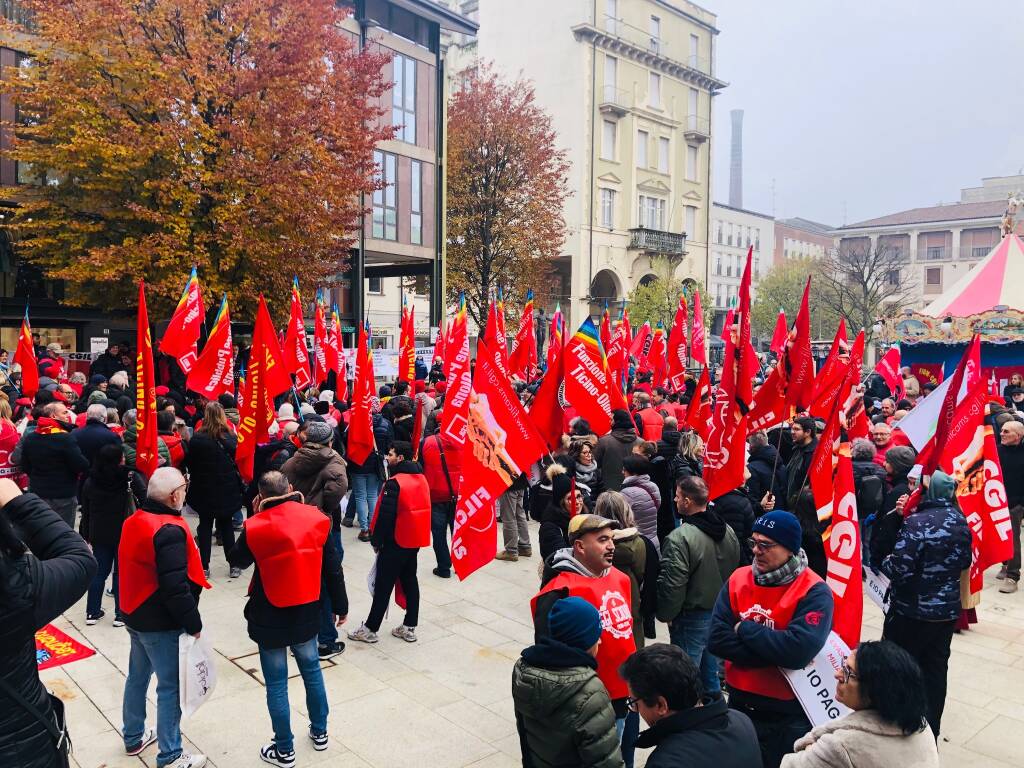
column 996, row 280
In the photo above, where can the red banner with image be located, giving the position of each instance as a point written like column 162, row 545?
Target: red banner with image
column 54, row 648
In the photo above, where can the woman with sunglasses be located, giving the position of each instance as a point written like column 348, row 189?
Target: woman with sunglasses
column 884, row 687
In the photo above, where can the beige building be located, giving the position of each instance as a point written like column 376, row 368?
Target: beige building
column 733, row 232
column 939, row 243
column 629, row 86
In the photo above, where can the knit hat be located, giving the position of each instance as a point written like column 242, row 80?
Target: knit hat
column 781, row 527
column 621, row 419
column 561, row 484
column 327, row 396
column 901, row 458
column 306, row 409
column 420, row 386
column 441, row 387
column 575, row 622
column 319, row 432
column 97, row 378
column 286, row 412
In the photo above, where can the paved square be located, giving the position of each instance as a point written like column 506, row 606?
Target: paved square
column 445, row 701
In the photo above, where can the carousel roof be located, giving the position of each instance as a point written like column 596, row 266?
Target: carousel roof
column 994, row 281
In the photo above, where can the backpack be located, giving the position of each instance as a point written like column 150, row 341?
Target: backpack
column 869, row 496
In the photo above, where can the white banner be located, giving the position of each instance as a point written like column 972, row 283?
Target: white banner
column 385, row 361
column 878, row 587
column 815, row 684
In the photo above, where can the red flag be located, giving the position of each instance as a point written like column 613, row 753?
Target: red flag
column 361, row 442
column 335, row 359
column 964, row 379
column 779, row 336
column 606, row 330
column 843, row 376
column 320, row 344
column 724, row 449
column 797, row 356
column 547, row 411
column 407, row 344
column 439, row 342
column 770, row 408
column 655, row 359
column 25, row 356
column 502, row 335
column 819, row 474
column 832, row 370
column 842, row 550
column 888, row 368
column 557, row 337
column 147, row 458
column 417, row 428
column 618, row 358
column 213, row 373
column 523, row 360
column 182, row 335
column 641, row 342
column 698, row 338
column 456, row 404
column 493, row 339
column 677, row 348
column 698, row 413
column 296, row 357
column 586, row 381
column 266, row 378
column 502, row 443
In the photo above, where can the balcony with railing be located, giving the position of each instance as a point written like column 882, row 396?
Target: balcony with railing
column 934, row 253
column 657, row 241
column 697, row 128
column 615, row 101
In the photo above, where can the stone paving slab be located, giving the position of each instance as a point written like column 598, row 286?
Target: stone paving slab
column 445, row 701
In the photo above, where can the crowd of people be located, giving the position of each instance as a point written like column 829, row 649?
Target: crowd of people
column 628, row 539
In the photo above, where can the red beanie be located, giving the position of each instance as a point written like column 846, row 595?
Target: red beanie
column 420, row 386
column 440, row 387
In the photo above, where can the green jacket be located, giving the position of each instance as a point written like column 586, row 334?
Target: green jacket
column 564, row 716
column 631, row 558
column 697, row 558
column 128, row 447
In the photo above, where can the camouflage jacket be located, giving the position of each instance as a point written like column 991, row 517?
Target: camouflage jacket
column 933, row 548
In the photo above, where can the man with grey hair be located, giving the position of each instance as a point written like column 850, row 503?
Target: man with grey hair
column 53, row 461
column 95, row 433
column 160, row 577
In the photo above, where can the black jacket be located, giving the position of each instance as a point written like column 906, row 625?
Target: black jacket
column 797, row 469
column 383, row 434
column 553, row 534
column 767, row 473
column 384, row 530
column 736, row 510
column 175, row 604
column 52, row 463
column 104, row 501
column 34, row 590
column 215, row 487
column 93, row 436
column 272, row 627
column 1011, row 457
column 710, row 736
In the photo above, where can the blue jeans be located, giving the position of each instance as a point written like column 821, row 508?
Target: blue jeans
column 364, row 497
column 690, row 630
column 274, row 662
column 442, row 520
column 328, row 632
column 153, row 652
column 628, row 729
column 106, row 560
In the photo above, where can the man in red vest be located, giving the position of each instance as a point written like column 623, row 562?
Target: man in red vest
column 649, row 423
column 160, row 577
column 400, row 527
column 774, row 613
column 585, row 570
column 285, row 539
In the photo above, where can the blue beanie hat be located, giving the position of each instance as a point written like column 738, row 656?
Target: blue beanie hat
column 782, row 527
column 575, row 622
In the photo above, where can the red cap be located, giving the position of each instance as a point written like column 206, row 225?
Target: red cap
column 162, row 390
column 420, row 386
column 440, row 387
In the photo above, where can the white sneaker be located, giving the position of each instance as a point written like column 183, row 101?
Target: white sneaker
column 405, row 633
column 148, row 737
column 188, row 761
column 271, row 754
column 1008, row 587
column 364, row 635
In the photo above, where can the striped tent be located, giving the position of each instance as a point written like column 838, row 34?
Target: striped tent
column 996, row 280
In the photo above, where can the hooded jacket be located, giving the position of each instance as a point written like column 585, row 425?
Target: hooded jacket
column 318, row 473
column 736, row 509
column 698, row 559
column 631, row 558
column 644, row 498
column 763, row 460
column 563, row 714
column 709, row 736
column 610, row 451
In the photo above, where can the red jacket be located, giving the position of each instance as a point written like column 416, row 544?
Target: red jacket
column 443, row 487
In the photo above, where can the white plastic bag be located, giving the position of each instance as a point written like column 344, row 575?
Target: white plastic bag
column 197, row 672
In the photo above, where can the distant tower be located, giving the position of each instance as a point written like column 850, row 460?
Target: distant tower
column 736, row 160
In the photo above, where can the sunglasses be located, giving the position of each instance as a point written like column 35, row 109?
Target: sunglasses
column 761, row 546
column 847, row 672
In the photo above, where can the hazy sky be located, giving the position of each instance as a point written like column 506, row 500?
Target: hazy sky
column 860, row 109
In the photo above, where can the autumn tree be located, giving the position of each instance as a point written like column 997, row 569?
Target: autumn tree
column 782, row 288
column 233, row 134
column 507, row 183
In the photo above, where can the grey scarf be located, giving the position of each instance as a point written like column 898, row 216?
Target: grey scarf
column 784, row 574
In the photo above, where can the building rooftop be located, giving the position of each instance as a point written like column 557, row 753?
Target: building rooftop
column 744, row 210
column 952, row 212
column 814, row 227
column 445, row 17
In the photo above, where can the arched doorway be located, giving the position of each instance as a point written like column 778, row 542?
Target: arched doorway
column 605, row 289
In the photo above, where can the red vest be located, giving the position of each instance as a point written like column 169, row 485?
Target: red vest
column 433, row 469
column 287, row 543
column 175, row 449
column 611, row 595
column 772, row 606
column 412, row 526
column 652, row 424
column 136, row 558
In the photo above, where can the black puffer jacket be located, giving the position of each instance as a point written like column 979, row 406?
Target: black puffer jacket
column 215, row 487
column 52, row 463
column 105, row 501
column 34, row 591
column 702, row 737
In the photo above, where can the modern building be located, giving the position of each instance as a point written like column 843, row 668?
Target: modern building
column 401, row 241
column 734, row 232
column 798, row 238
column 940, row 243
column 629, row 86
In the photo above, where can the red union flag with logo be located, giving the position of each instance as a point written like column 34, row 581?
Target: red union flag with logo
column 586, row 378
column 453, row 417
column 296, row 357
column 842, row 551
column 182, row 335
column 501, row 443
column 213, row 373
column 147, row 458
